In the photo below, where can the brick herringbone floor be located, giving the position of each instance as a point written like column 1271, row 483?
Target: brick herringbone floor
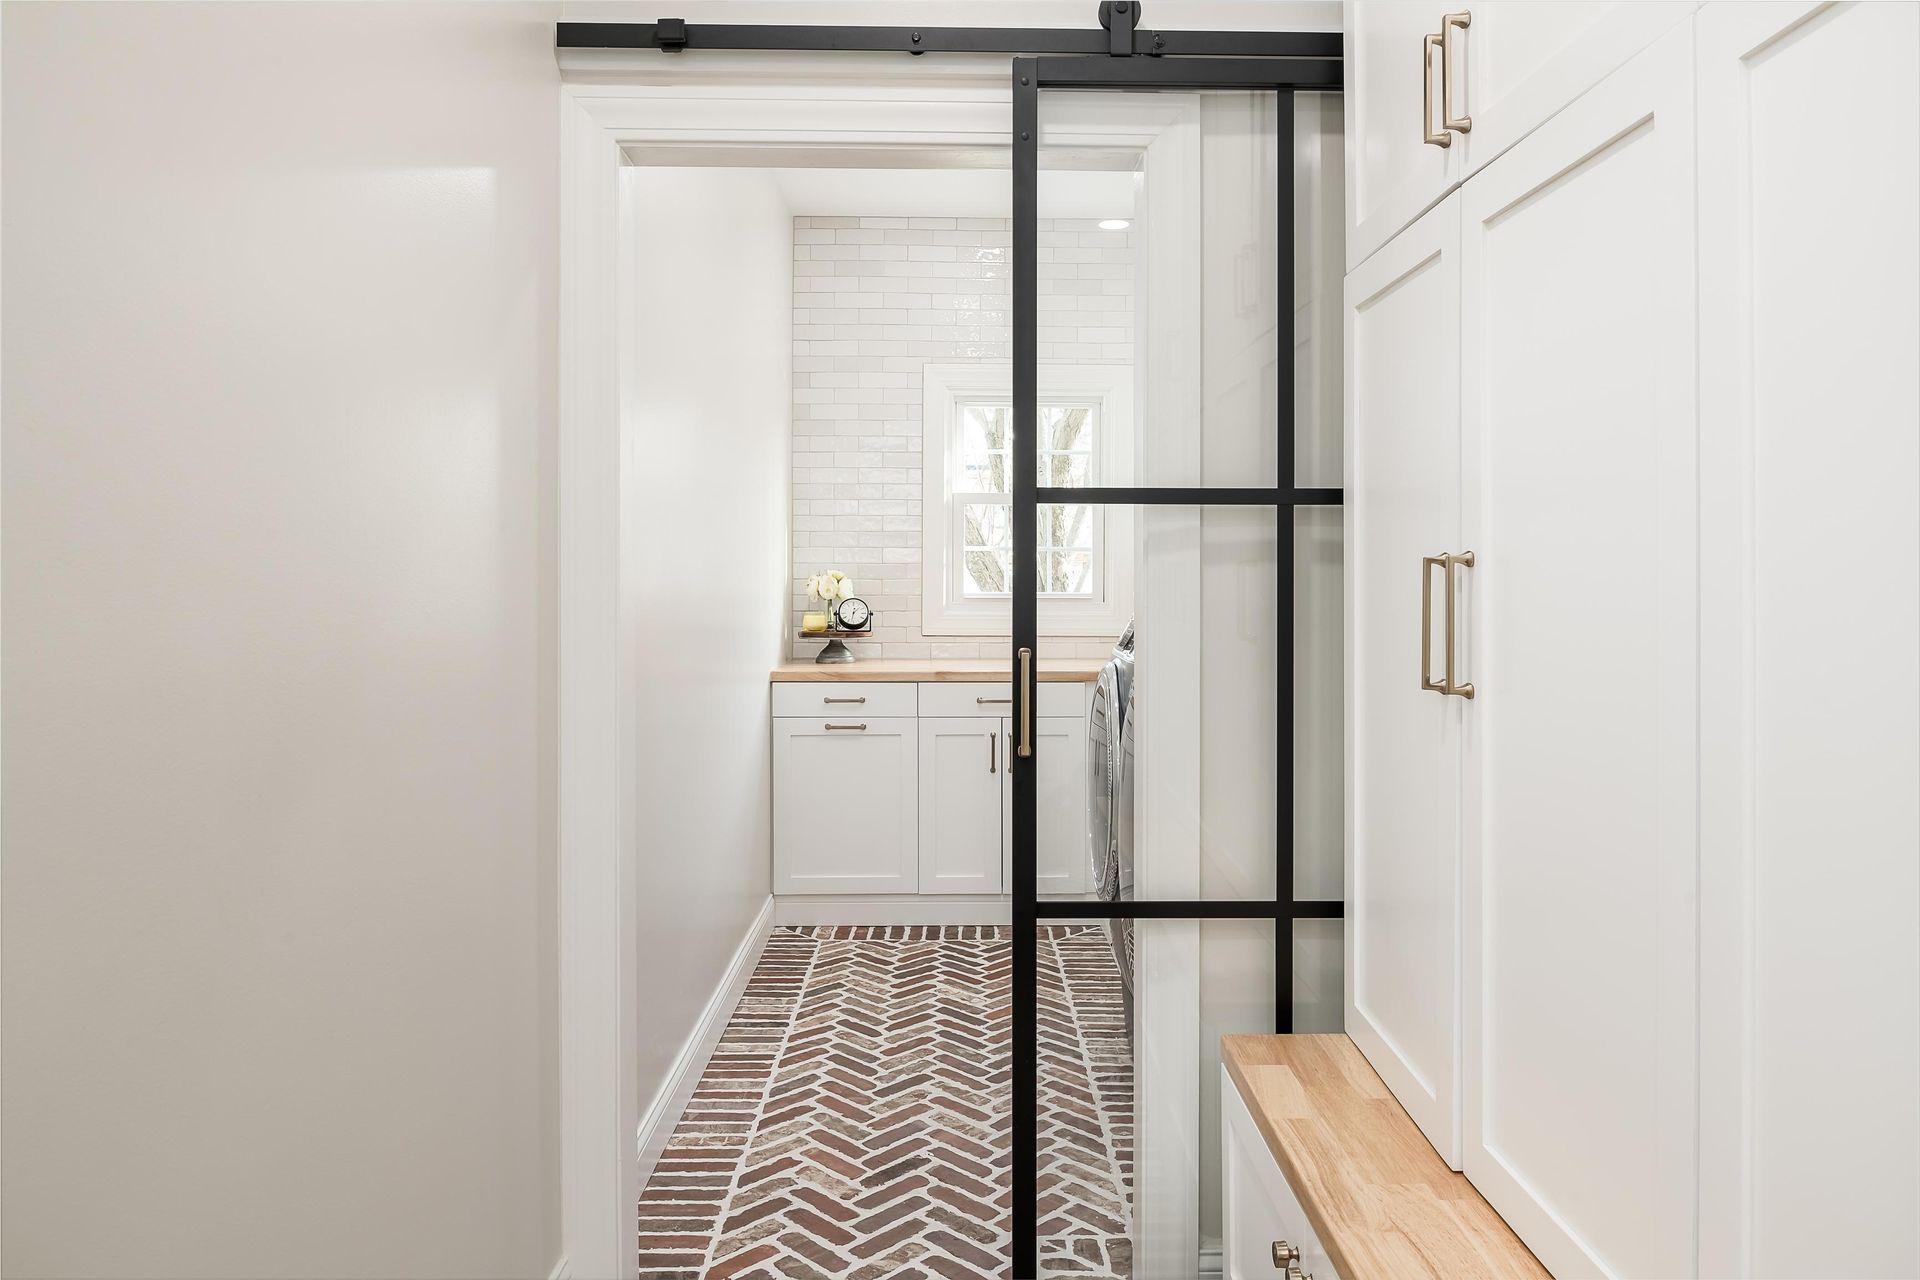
column 853, row 1121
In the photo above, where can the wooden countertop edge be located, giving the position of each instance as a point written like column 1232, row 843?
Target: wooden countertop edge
column 907, row 671
column 1331, row 1234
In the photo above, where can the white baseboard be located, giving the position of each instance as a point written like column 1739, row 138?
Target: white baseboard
column 893, row 908
column 562, row 1270
column 657, row 1121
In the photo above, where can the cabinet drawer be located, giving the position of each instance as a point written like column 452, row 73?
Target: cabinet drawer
column 1257, row 1204
column 842, row 698
column 1056, row 698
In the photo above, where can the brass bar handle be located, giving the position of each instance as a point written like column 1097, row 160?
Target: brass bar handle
column 846, row 726
column 1448, row 25
column 1427, row 565
column 1427, row 45
column 843, row 699
column 993, row 752
column 1453, row 689
column 991, row 702
column 1025, row 749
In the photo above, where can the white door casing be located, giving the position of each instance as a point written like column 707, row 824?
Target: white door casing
column 1810, row 628
column 1403, row 742
column 1580, row 504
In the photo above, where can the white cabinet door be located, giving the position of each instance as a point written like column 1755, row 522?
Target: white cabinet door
column 844, row 805
column 1810, row 633
column 1061, row 860
column 961, row 770
column 1580, row 498
column 1392, row 173
column 1403, row 742
column 1519, row 61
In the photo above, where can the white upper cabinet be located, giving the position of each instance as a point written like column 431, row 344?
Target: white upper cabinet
column 1434, row 93
column 1393, row 173
column 1810, row 611
column 1403, row 739
column 1580, row 498
column 1514, row 63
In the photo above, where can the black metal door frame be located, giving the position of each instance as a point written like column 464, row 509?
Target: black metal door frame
column 1282, row 77
column 1120, row 56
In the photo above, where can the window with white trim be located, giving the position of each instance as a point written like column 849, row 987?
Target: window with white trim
column 1085, row 439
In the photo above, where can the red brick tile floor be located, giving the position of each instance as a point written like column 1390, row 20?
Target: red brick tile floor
column 854, row 1120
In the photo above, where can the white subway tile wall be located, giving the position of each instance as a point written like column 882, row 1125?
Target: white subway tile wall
column 874, row 300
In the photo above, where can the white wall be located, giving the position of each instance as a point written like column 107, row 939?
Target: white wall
column 279, row 407
column 705, row 426
column 874, row 300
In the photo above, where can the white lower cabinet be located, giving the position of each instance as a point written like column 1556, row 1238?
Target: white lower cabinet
column 961, row 773
column 846, row 804
column 922, row 804
column 1257, row 1205
column 1062, row 864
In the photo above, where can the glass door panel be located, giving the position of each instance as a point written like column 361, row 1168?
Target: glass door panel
column 1155, row 212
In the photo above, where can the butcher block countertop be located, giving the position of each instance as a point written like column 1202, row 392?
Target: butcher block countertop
column 935, row 670
column 1382, row 1201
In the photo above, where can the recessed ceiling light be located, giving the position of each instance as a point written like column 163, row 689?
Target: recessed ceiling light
column 1114, row 224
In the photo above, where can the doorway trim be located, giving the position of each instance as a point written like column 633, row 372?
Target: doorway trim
column 717, row 100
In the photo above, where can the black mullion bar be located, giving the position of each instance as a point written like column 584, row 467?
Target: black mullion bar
column 1011, row 40
column 1191, row 73
column 1025, row 600
column 1203, row 496
column 1283, row 565
column 1192, row 909
column 1163, row 496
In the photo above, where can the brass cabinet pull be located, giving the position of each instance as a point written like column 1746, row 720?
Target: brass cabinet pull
column 846, row 726
column 1427, row 565
column 1448, row 25
column 1284, row 1254
column 1427, row 45
column 1452, row 688
column 1025, row 749
column 991, row 702
column 993, row 752
column 843, row 699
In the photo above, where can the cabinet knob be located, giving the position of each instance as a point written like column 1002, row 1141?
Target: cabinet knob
column 1285, row 1255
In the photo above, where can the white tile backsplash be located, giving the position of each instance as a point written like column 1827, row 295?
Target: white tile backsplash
column 875, row 299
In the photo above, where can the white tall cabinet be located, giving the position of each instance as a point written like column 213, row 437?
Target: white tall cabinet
column 1578, row 833
column 1810, row 618
column 1634, row 931
column 1403, row 506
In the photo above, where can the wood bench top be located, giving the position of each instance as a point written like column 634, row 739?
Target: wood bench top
column 1382, row 1201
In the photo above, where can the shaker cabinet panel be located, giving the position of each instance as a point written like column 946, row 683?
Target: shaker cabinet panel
column 1580, row 501
column 845, row 805
column 961, row 767
column 1810, row 616
column 1403, row 739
